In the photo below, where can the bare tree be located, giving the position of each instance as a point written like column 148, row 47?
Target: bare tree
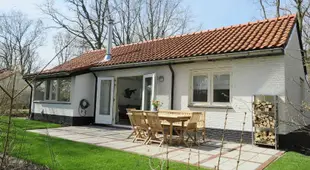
column 85, row 19
column 125, row 13
column 268, row 6
column 74, row 49
column 161, row 18
column 20, row 38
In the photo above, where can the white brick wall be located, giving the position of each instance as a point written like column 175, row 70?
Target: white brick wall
column 292, row 119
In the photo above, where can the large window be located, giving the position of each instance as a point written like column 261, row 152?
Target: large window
column 53, row 90
column 210, row 87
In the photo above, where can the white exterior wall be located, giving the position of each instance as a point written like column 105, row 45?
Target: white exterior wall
column 83, row 88
column 264, row 75
column 292, row 119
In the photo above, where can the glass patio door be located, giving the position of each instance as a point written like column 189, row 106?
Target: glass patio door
column 104, row 107
column 148, row 91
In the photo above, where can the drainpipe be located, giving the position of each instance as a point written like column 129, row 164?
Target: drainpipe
column 30, row 98
column 172, row 86
column 95, row 97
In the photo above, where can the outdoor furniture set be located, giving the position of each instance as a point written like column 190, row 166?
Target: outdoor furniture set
column 150, row 126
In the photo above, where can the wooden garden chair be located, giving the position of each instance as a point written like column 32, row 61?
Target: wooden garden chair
column 129, row 114
column 140, row 125
column 191, row 127
column 155, row 127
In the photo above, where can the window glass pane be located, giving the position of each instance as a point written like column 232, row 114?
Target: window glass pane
column 64, row 89
column 221, row 88
column 39, row 90
column 148, row 93
column 200, row 88
column 47, row 90
column 105, row 97
column 54, row 89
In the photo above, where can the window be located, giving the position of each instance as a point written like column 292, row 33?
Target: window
column 221, row 88
column 39, row 90
column 64, row 90
column 210, row 87
column 47, row 90
column 200, row 86
column 53, row 90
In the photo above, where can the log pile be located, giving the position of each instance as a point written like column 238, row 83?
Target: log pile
column 264, row 122
column 265, row 137
column 263, row 106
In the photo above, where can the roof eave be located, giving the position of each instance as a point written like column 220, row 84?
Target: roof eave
column 234, row 55
column 46, row 75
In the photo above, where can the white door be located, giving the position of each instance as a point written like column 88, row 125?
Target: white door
column 105, row 88
column 148, row 91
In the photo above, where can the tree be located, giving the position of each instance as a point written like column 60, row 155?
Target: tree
column 265, row 6
column 73, row 49
column 135, row 20
column 20, row 39
column 125, row 13
column 162, row 18
column 86, row 19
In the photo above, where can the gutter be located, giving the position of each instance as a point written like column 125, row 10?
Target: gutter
column 95, row 96
column 30, row 98
column 172, row 87
column 225, row 56
column 47, row 75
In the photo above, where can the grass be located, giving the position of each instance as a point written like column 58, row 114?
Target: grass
column 60, row 154
column 291, row 160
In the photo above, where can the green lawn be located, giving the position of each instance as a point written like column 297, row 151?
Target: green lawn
column 291, row 161
column 64, row 154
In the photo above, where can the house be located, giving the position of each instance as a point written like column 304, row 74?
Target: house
column 215, row 71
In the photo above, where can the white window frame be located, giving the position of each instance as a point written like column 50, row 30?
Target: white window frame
column 210, row 73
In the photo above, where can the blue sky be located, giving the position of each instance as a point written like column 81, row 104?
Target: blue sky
column 209, row 13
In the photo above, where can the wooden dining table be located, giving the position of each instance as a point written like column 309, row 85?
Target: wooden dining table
column 174, row 118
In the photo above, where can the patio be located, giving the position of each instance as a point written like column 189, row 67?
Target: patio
column 252, row 157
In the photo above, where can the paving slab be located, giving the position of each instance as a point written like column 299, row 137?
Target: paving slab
column 118, row 144
column 248, row 165
column 94, row 140
column 149, row 150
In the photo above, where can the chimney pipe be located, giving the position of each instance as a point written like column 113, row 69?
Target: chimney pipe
column 108, row 56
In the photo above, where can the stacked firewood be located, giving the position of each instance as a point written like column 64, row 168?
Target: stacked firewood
column 264, row 122
column 263, row 106
column 265, row 137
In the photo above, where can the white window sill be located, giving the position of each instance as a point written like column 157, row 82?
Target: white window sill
column 215, row 106
column 50, row 102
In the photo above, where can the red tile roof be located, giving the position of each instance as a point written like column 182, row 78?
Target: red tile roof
column 271, row 33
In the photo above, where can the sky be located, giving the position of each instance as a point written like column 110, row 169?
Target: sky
column 209, row 13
